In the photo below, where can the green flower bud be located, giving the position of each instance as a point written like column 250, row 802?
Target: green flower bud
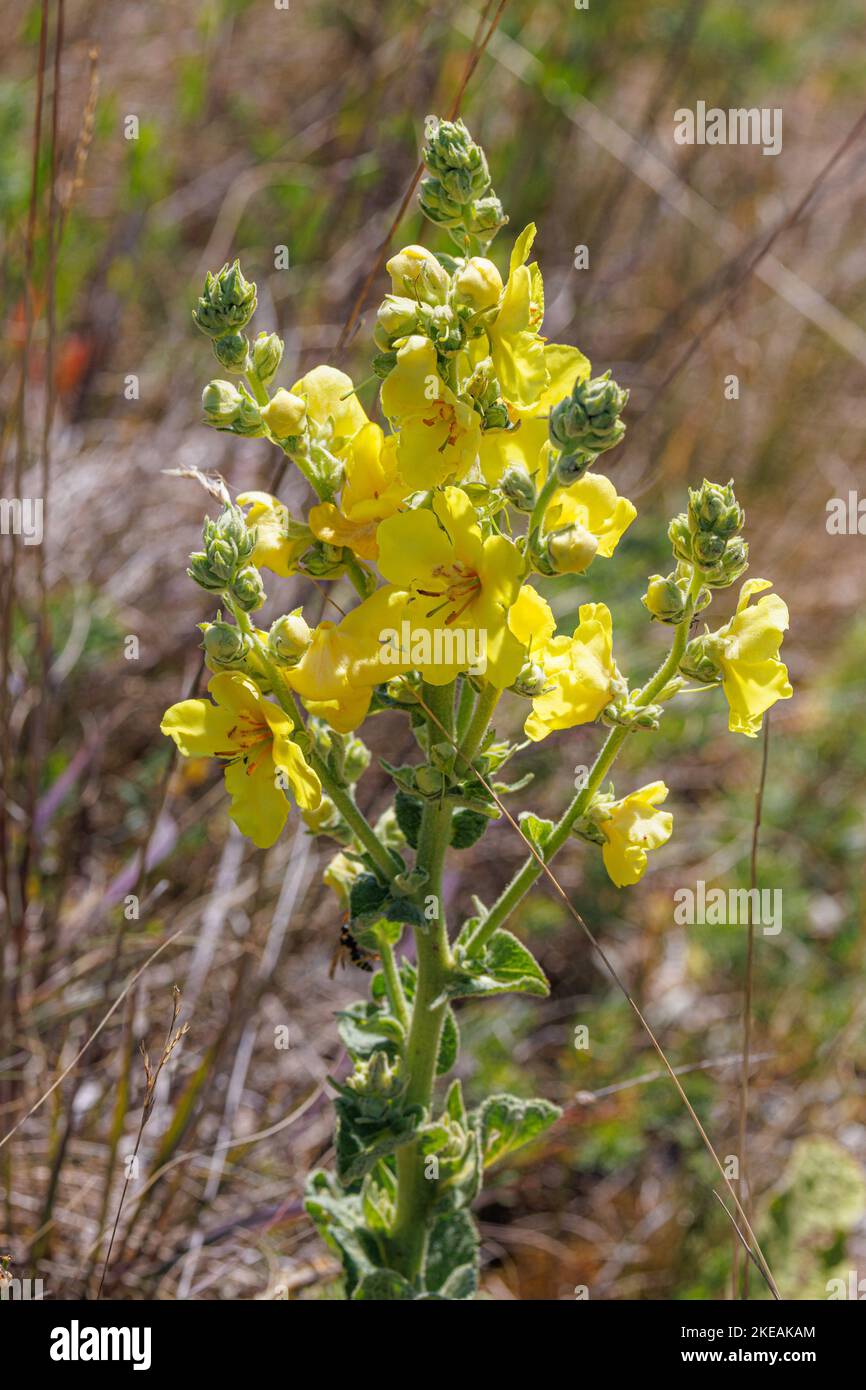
column 267, row 356
column 220, row 402
column 396, row 317
column 228, row 543
column 625, row 715
column 438, row 206
column 201, row 572
column 228, row 302
column 453, row 157
column 227, row 408
column 571, row 467
column 233, row 352
column 666, row 599
column 284, row 414
column 517, row 486
column 322, row 561
column 680, row 538
column 715, row 509
column 225, row 647
column 356, row 758
column 571, row 549
column 486, row 217
column 443, row 328
column 248, row 590
column 531, row 682
column 700, row 662
column 730, row 567
column 588, row 420
column 288, row 638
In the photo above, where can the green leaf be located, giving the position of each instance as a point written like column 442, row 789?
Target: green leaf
column 507, row 1122
column 503, row 967
column 384, row 1285
column 451, row 1250
column 408, row 811
column 467, row 827
column 449, row 1044
column 366, row 897
column 536, row 829
column 339, row 1221
column 364, row 1027
column 360, row 1141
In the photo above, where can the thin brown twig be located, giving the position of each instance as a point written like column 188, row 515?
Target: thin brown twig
column 742, row 1181
column 151, row 1077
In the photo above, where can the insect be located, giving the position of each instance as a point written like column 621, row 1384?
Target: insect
column 347, row 948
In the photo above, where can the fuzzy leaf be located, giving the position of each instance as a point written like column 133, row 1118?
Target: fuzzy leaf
column 467, row 827
column 452, row 1247
column 507, row 1122
column 503, row 967
column 384, row 1285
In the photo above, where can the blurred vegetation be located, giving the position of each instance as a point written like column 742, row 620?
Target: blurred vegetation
column 260, row 128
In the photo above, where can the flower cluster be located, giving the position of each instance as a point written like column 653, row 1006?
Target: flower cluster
column 479, row 485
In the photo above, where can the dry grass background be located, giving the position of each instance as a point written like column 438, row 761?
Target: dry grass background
column 260, row 127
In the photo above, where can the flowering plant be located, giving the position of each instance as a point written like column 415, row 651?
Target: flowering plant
column 483, row 480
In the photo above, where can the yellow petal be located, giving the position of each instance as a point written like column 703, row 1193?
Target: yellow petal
column 259, row 807
column 199, row 728
column 330, row 398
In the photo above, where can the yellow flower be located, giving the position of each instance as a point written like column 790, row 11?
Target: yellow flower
column 459, row 589
column 580, row 670
column 254, row 737
column 336, row 675
column 372, row 490
column 332, row 405
column 515, row 345
column 563, row 366
column 439, row 433
column 630, row 828
column 747, row 650
column 280, row 539
column 592, row 503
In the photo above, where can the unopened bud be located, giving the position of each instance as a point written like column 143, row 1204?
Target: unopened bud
column 224, row 645
column 396, row 317
column 478, row 283
column 289, row 638
column 714, row 508
column 588, row 420
column 571, row 549
column 417, row 274
column 531, row 681
column 248, row 589
column 227, row 303
column 267, row 356
column 699, row 661
column 517, row 486
column 232, row 352
column 455, row 160
column 666, row 598
column 284, row 414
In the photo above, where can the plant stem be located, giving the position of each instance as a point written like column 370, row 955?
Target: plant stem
column 255, row 384
column 393, row 985
column 478, row 724
column 414, row 1190
column 531, row 869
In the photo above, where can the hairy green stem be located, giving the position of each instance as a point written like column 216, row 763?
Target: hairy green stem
column 531, row 869
column 408, row 1241
column 393, row 985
